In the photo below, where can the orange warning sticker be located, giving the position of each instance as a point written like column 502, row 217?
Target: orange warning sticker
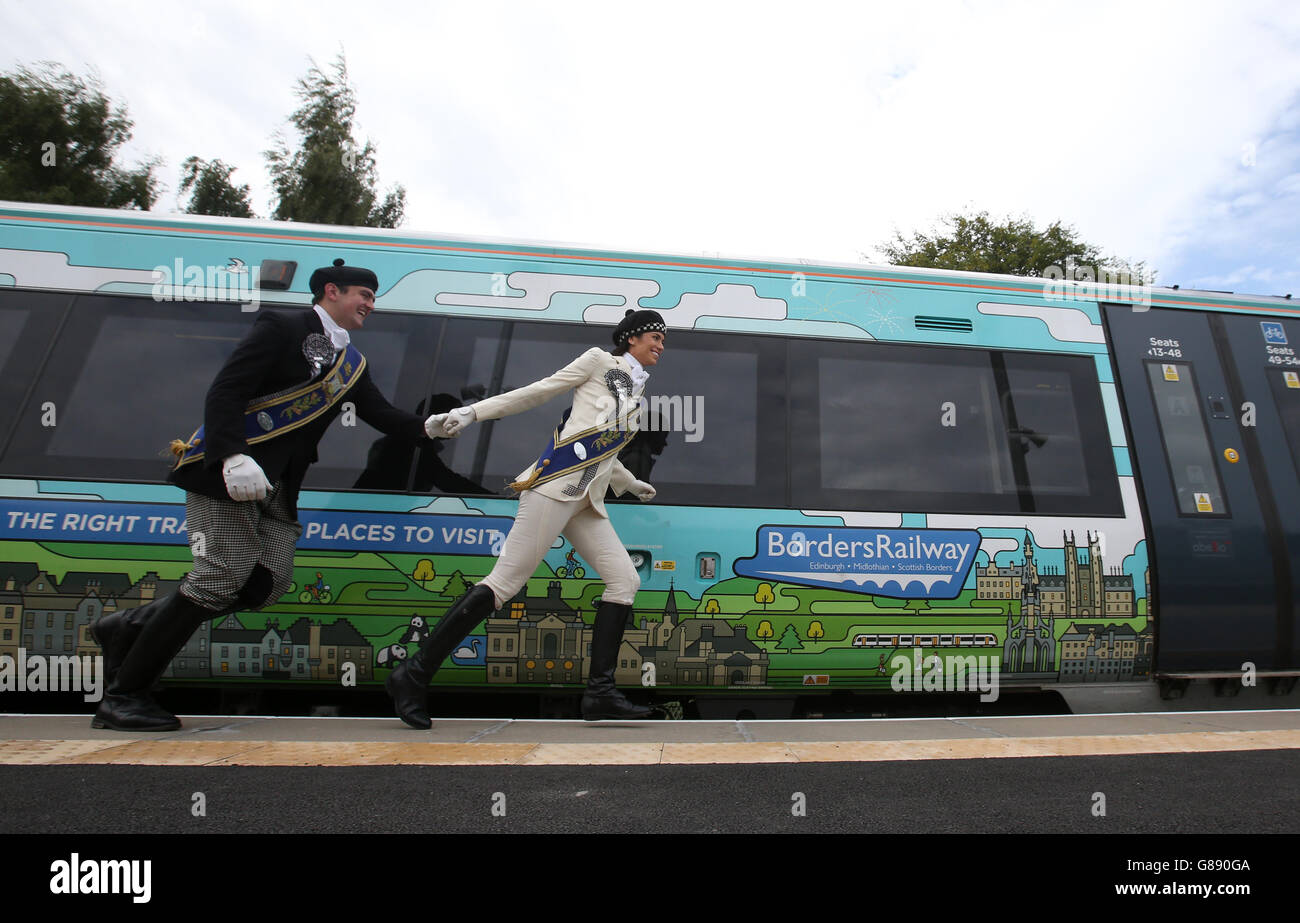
column 1203, row 504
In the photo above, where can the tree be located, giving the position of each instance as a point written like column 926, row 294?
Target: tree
column 329, row 180
column 789, row 640
column 815, row 631
column 977, row 243
column 712, row 607
column 764, row 630
column 61, row 136
column 764, row 594
column 214, row 193
column 456, row 586
column 424, row 572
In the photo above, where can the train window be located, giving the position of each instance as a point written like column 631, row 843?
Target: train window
column 894, row 422
column 1186, row 439
column 889, row 427
column 715, row 420
column 481, row 359
column 29, row 319
column 126, row 376
column 1285, row 384
column 1057, row 433
column 399, row 350
column 713, row 408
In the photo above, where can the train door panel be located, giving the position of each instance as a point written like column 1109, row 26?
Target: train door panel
column 1212, row 565
column 1265, row 358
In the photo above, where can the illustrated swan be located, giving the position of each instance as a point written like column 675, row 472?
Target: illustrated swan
column 468, row 653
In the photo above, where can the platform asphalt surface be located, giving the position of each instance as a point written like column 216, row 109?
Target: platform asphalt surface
column 1237, row 792
column 1185, row 773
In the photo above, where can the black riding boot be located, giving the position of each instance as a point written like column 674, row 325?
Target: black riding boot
column 602, row 698
column 117, row 631
column 409, row 680
column 128, row 704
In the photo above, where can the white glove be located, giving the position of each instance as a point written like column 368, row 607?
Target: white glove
column 642, row 491
column 245, row 479
column 457, row 420
column 433, row 426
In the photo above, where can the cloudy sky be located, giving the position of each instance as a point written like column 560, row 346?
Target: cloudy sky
column 1164, row 132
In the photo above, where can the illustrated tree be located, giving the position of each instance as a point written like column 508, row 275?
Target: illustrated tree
column 60, row 142
column 329, row 178
column 764, row 594
column 424, row 572
column 815, row 631
column 789, row 640
column 457, row 586
column 212, row 192
column 1014, row 246
column 916, row 605
column 764, row 631
column 712, row 607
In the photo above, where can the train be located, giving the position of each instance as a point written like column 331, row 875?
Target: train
column 873, row 481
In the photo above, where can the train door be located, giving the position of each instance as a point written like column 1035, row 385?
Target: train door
column 1264, row 367
column 1220, row 571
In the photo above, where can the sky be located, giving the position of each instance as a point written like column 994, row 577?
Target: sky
column 1163, row 132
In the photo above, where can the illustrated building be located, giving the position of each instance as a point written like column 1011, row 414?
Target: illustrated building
column 1104, row 653
column 546, row 641
column 1083, row 590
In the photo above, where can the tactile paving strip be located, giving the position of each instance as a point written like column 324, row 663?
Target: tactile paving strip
column 155, row 752
column 36, row 752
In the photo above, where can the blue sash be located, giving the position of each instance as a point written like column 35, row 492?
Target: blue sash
column 578, row 451
column 277, row 414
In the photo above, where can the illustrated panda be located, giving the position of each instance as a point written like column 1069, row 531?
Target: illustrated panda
column 389, row 656
column 416, row 632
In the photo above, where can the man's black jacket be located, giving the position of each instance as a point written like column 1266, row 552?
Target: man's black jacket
column 270, row 359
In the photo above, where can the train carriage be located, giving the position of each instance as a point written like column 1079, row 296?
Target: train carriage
column 870, row 479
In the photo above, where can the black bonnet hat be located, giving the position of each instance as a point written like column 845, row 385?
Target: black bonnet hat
column 342, row 275
column 638, row 322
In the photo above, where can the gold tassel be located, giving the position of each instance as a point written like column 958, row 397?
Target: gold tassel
column 180, row 447
column 521, row 486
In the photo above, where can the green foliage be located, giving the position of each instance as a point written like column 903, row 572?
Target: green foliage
column 329, row 179
column 456, row 586
column 977, row 243
column 213, row 192
column 61, row 136
column 789, row 640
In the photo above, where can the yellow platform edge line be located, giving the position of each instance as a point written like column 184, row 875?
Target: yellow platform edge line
column 162, row 752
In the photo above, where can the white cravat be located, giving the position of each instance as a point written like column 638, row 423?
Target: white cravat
column 338, row 336
column 639, row 375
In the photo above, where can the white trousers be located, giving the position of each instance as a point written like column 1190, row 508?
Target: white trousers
column 539, row 522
